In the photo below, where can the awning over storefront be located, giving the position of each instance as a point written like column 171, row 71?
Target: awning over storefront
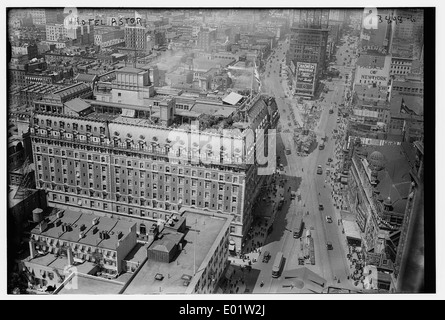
column 352, row 230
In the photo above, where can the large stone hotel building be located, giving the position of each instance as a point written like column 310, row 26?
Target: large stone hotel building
column 124, row 159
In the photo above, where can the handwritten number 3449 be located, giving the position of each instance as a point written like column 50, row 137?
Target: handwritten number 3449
column 397, row 19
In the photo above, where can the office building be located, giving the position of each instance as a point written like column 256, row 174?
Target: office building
column 307, row 52
column 56, row 32
column 138, row 38
column 206, row 37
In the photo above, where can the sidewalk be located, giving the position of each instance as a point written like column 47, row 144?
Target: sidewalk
column 340, row 203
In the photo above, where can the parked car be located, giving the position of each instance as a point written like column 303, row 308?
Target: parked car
column 329, row 245
column 319, row 170
column 320, row 207
column 266, row 257
column 328, row 219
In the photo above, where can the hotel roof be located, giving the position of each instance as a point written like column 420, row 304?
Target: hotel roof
column 232, row 98
column 66, row 91
column 77, row 105
column 83, row 77
column 130, row 70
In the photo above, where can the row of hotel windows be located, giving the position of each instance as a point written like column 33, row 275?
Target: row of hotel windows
column 407, row 89
column 75, row 246
column 194, row 182
column 142, row 185
column 143, row 213
column 61, row 125
column 402, row 62
column 194, row 173
column 400, row 67
column 116, row 152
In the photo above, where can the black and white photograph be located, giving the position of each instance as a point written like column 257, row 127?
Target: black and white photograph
column 223, row 151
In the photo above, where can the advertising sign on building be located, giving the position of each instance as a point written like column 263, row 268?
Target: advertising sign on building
column 306, row 72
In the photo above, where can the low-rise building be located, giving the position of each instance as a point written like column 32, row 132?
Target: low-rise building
column 190, row 261
column 83, row 237
column 379, row 187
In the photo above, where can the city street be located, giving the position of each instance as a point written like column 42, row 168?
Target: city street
column 330, row 264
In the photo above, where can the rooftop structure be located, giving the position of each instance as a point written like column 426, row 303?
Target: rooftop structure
column 199, row 262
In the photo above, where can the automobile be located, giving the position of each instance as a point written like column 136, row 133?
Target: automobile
column 266, row 257
column 329, row 159
column 329, row 245
column 320, row 207
column 288, row 151
column 328, row 219
column 295, row 235
column 319, row 170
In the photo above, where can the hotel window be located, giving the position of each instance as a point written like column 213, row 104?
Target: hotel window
column 233, row 209
column 194, row 182
column 221, row 177
column 221, row 187
column 193, row 193
column 220, row 196
column 180, row 171
column 193, row 173
column 207, row 175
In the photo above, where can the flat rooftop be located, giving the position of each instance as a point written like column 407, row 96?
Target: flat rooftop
column 203, row 230
column 60, row 262
column 86, row 284
column 11, row 194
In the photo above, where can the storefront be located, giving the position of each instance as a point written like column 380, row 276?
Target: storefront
column 352, row 232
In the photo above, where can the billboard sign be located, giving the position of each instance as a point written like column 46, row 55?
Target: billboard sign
column 306, row 72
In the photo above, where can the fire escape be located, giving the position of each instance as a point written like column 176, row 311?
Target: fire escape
column 23, row 190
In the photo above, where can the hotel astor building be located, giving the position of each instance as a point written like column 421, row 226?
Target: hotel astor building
column 113, row 158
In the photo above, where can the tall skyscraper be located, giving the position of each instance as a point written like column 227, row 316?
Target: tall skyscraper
column 307, row 50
